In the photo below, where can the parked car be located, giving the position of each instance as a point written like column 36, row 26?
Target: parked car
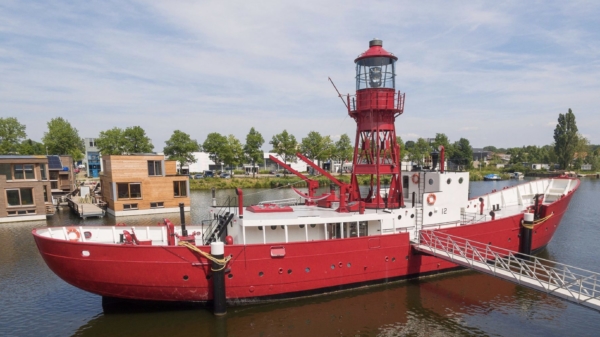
column 209, row 174
column 225, row 175
column 198, row 176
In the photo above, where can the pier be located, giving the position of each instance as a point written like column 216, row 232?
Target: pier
column 570, row 283
column 84, row 207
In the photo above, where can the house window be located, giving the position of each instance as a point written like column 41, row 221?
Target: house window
column 157, row 204
column 129, row 191
column 130, row 206
column 23, row 171
column 43, row 171
column 45, row 193
column 180, row 188
column 19, row 197
column 154, row 168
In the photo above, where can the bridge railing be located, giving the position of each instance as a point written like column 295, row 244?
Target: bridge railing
column 577, row 284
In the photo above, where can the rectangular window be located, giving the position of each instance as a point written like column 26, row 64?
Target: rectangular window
column 45, row 193
column 130, row 206
column 157, row 204
column 129, row 190
column 5, row 171
column 43, row 171
column 180, row 188
column 154, row 168
column 19, row 197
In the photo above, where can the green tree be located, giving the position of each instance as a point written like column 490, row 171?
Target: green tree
column 316, row 147
column 343, row 150
column 181, row 147
column 233, row 155
column 252, row 148
column 419, row 151
column 63, row 139
column 442, row 139
column 463, row 153
column 566, row 139
column 111, row 142
column 31, row 147
column 136, row 141
column 11, row 134
column 409, row 144
column 215, row 145
column 285, row 145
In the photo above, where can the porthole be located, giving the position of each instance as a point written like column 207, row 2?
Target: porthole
column 332, row 266
column 449, row 181
column 282, row 227
column 260, row 228
column 185, row 277
column 430, row 181
column 412, row 216
column 399, row 217
column 307, row 270
column 393, row 259
column 460, row 180
column 289, row 271
column 313, row 225
column 260, row 274
column 430, row 213
column 273, row 227
column 349, row 265
column 230, row 276
column 301, row 226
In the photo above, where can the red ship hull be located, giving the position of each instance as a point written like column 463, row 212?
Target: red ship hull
column 173, row 273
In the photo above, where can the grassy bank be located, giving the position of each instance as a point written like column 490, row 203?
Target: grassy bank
column 273, row 182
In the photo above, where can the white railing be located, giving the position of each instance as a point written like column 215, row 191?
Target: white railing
column 575, row 284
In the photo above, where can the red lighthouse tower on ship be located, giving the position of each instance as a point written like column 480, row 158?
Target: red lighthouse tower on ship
column 375, row 108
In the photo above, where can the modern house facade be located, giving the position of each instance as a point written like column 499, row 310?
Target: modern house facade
column 91, row 160
column 142, row 184
column 25, row 193
column 61, row 175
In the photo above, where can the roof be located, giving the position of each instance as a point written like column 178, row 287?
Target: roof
column 375, row 50
column 17, row 156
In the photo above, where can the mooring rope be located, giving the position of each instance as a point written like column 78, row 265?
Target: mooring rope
column 538, row 221
column 221, row 262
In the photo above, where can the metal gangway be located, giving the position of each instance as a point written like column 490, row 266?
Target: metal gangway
column 571, row 283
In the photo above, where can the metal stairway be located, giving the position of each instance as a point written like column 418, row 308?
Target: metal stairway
column 571, row 283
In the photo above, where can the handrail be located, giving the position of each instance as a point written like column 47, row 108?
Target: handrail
column 281, row 202
column 576, row 284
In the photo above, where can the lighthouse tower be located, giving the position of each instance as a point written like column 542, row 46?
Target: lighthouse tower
column 375, row 108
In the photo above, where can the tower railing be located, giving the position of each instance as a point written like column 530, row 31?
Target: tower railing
column 377, row 99
column 575, row 284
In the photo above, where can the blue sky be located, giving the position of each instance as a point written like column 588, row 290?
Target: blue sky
column 496, row 73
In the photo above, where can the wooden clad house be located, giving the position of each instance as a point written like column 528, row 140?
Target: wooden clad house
column 142, row 184
column 62, row 177
column 24, row 188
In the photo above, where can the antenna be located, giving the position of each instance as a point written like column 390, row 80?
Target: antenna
column 339, row 95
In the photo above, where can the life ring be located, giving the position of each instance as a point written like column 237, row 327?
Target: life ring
column 415, row 178
column 73, row 230
column 431, row 199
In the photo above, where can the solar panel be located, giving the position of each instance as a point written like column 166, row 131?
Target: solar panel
column 54, row 163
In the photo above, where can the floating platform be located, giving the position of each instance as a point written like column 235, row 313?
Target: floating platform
column 84, row 208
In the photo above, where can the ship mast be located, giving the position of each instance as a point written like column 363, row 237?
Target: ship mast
column 375, row 108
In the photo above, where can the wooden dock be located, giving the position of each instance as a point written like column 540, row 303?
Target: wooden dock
column 84, row 207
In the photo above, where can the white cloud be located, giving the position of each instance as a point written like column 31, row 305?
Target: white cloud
column 479, row 71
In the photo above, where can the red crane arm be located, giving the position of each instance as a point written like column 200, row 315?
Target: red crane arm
column 323, row 172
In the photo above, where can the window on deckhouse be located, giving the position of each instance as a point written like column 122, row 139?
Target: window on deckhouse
column 180, row 188
column 154, row 168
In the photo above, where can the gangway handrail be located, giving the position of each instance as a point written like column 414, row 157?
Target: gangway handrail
column 572, row 283
column 281, row 202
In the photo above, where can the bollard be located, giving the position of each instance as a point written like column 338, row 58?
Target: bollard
column 217, row 249
column 182, row 218
column 526, row 235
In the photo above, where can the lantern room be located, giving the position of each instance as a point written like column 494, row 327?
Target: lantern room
column 375, row 68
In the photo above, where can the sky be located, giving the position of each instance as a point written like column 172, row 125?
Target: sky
column 496, row 73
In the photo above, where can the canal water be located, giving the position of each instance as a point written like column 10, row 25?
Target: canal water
column 35, row 302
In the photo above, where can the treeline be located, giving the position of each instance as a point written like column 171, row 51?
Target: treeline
column 570, row 148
